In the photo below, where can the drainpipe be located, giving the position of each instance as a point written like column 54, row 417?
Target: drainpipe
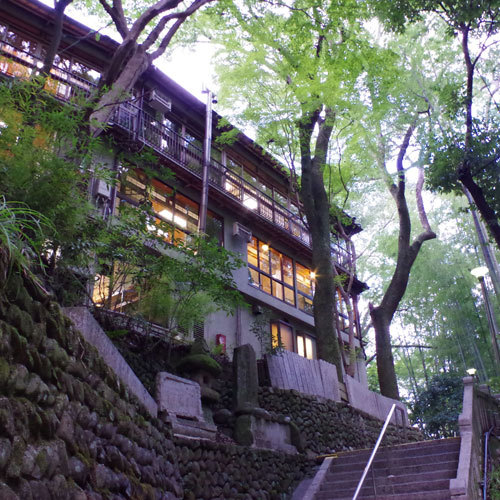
column 207, row 146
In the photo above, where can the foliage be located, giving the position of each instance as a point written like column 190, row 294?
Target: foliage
column 43, row 169
column 260, row 328
column 494, row 483
column 195, row 362
column 21, row 231
column 436, row 409
column 40, row 166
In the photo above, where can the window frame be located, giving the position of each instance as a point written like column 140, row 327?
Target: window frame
column 267, row 274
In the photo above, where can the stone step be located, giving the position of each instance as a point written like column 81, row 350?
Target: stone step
column 427, row 447
column 345, row 463
column 336, row 473
column 388, row 489
column 448, row 442
column 432, row 495
column 334, row 482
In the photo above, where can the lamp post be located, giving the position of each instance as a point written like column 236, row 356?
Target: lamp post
column 480, row 273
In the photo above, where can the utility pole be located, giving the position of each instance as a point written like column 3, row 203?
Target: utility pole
column 207, row 147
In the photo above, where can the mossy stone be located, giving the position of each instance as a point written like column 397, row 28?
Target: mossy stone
column 21, row 320
column 195, row 362
column 4, row 372
column 242, row 430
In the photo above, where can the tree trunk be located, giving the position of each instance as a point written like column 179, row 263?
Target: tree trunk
column 119, row 91
column 53, row 47
column 385, row 361
column 317, row 211
column 407, row 253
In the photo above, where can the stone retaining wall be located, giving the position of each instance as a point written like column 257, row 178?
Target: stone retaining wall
column 327, row 426
column 220, row 471
column 69, row 429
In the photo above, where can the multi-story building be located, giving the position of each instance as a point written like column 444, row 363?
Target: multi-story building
column 252, row 207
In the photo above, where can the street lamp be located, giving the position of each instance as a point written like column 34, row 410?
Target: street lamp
column 480, row 273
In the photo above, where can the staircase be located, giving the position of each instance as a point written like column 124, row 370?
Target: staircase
column 415, row 471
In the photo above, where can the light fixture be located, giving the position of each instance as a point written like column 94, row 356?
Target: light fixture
column 471, row 371
column 265, row 247
column 479, row 272
column 312, row 274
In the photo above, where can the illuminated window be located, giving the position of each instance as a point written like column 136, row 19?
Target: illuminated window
column 306, row 346
column 170, row 207
column 281, row 336
column 271, row 271
column 114, row 289
column 305, row 288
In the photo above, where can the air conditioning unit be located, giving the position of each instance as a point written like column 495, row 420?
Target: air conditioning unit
column 159, row 102
column 241, row 231
column 102, row 189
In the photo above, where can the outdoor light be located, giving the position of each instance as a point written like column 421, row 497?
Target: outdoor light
column 479, row 272
column 312, row 274
column 471, row 371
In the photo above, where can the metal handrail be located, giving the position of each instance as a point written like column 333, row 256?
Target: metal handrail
column 485, row 474
column 372, row 456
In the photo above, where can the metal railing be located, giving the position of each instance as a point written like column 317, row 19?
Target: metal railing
column 372, row 456
column 480, row 412
column 142, row 126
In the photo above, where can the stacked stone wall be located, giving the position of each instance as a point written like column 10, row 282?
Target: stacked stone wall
column 220, row 471
column 68, row 428
column 327, row 426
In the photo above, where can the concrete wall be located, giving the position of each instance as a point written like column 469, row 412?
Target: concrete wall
column 361, row 398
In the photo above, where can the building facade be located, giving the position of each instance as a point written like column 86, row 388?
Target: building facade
column 252, row 210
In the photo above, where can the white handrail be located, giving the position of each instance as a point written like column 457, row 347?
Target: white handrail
column 372, row 456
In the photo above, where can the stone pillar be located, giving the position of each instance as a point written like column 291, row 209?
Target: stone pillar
column 246, row 380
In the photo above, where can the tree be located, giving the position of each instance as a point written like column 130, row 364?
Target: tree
column 146, row 33
column 408, row 251
column 300, row 61
column 437, row 408
column 43, row 179
column 465, row 157
column 57, row 30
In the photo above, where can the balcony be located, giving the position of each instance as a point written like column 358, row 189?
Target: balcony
column 142, row 127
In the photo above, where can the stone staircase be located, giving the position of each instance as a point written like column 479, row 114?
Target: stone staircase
column 415, row 471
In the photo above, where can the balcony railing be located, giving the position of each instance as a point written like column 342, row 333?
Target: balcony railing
column 144, row 127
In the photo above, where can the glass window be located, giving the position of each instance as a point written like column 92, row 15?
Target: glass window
column 170, row 206
column 264, row 256
column 281, row 336
column 270, row 270
column 252, row 253
column 276, row 264
column 306, row 346
column 304, row 280
column 287, row 270
column 305, row 288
